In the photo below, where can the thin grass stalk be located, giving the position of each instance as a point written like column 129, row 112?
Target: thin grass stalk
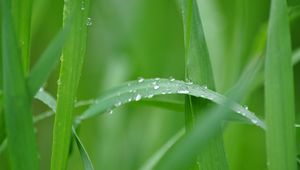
column 199, row 70
column 70, row 70
column 279, row 91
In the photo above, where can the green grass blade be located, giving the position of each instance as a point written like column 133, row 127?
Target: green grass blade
column 148, row 88
column 279, row 91
column 164, row 104
column 18, row 118
column 47, row 99
column 154, row 159
column 21, row 13
column 47, row 62
column 296, row 57
column 84, row 155
column 199, row 70
column 70, row 70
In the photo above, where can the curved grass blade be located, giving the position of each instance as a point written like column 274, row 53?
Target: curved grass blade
column 47, row 62
column 164, row 104
column 137, row 90
column 18, row 118
column 151, row 163
column 84, row 155
column 279, row 91
column 49, row 100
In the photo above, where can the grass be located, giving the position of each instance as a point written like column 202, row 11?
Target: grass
column 280, row 105
column 70, row 71
column 230, row 103
column 198, row 70
column 18, row 118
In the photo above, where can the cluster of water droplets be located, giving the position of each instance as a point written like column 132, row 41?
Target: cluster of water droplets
column 89, row 22
column 159, row 86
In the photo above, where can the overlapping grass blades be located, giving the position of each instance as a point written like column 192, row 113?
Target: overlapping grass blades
column 47, row 61
column 199, row 70
column 148, row 88
column 18, row 118
column 279, row 91
column 183, row 153
column 70, row 70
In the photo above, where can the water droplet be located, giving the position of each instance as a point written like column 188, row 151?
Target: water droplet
column 140, row 80
column 41, row 89
column 246, row 107
column 58, row 82
column 189, row 82
column 172, row 79
column 130, row 99
column 89, row 22
column 202, row 96
column 138, row 97
column 110, row 112
column 163, row 93
column 156, row 87
column 82, row 6
column 183, row 91
column 157, row 79
column 118, row 104
column 150, row 96
column 254, row 121
column 205, row 86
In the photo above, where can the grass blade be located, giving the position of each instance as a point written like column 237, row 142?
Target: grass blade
column 151, row 163
column 84, row 155
column 199, row 70
column 279, row 93
column 47, row 62
column 18, row 118
column 148, row 88
column 70, row 70
column 21, row 13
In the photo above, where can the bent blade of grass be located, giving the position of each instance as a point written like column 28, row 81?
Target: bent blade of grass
column 84, row 155
column 148, row 88
column 70, row 70
column 150, row 164
column 199, row 70
column 279, row 91
column 49, row 101
column 47, row 61
column 18, row 118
